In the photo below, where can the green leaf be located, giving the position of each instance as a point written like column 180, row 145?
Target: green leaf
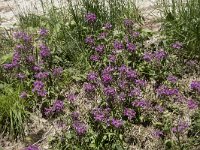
column 5, row 58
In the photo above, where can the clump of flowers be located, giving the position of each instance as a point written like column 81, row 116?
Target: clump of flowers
column 195, row 85
column 177, row 45
column 80, row 127
column 32, row 147
column 180, row 127
column 57, row 108
column 90, row 18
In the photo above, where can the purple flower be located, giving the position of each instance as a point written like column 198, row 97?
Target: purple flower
column 75, row 115
column 57, row 71
column 177, row 45
column 123, row 69
column 131, row 74
column 135, row 92
column 106, row 78
column 90, row 18
column 148, row 56
column 38, row 85
column 99, row 114
column 108, row 70
column 8, row 66
column 109, row 91
column 95, row 58
column 130, row 47
column 195, row 85
column 30, row 59
column 172, row 79
column 117, row 45
column 112, row 58
column 92, row 76
column 43, row 32
column 122, row 84
column 58, row 106
column 122, row 96
column 41, row 75
column 16, row 58
column 117, row 123
column 39, row 88
column 102, row 35
column 71, row 97
column 48, row 111
column 99, row 48
column 42, row 93
column 140, row 83
column 89, row 40
column 128, row 23
column 79, row 127
column 108, row 26
column 192, row 104
column 157, row 133
column 21, row 76
column 23, row 95
column 37, row 68
column 19, row 47
column 130, row 113
column 159, row 55
column 192, row 63
column 32, row 147
column 22, row 36
column 181, row 127
column 165, row 91
column 141, row 103
column 136, row 34
column 44, row 51
column 88, row 87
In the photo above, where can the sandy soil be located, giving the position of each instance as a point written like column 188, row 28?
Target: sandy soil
column 10, row 8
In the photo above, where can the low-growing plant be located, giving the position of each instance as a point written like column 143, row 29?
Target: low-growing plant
column 12, row 112
column 182, row 23
column 120, row 92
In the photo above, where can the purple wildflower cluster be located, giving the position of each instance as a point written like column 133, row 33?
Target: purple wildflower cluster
column 32, row 147
column 177, row 45
column 22, row 36
column 56, row 108
column 30, row 62
column 155, row 56
column 90, row 18
column 195, row 85
column 172, row 79
column 157, row 133
column 43, row 32
column 100, row 114
column 180, row 127
column 80, row 127
column 44, row 51
column 128, row 23
column 130, row 113
column 38, row 87
column 165, row 91
column 192, row 104
column 117, row 123
column 108, row 26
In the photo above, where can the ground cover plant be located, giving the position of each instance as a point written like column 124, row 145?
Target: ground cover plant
column 127, row 94
column 181, row 22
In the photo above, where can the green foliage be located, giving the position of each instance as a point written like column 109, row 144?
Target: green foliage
column 182, row 23
column 12, row 112
column 66, row 25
